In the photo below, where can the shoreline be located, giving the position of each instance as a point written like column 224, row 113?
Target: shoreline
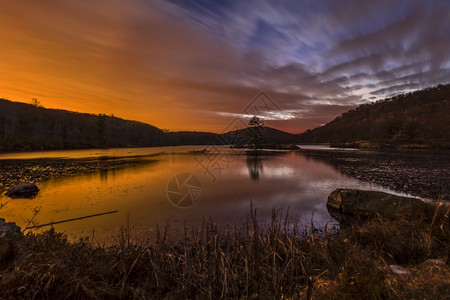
column 415, row 172
column 425, row 174
column 43, row 169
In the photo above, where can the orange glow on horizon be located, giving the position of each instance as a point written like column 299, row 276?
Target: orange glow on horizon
column 135, row 63
column 79, row 71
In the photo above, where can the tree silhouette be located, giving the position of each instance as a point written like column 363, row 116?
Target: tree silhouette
column 254, row 132
column 255, row 121
column 35, row 102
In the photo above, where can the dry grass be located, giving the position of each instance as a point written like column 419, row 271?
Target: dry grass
column 276, row 261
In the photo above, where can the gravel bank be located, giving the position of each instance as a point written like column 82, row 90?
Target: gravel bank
column 421, row 173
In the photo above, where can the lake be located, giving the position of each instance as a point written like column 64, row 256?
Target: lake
column 180, row 186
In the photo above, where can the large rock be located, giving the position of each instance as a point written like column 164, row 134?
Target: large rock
column 349, row 204
column 9, row 229
column 28, row 190
column 10, row 234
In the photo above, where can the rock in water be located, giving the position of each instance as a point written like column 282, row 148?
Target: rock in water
column 348, row 204
column 28, row 190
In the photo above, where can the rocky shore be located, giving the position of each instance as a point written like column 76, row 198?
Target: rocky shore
column 15, row 172
column 425, row 174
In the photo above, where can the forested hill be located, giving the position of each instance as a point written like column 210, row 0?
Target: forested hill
column 29, row 127
column 420, row 119
column 269, row 137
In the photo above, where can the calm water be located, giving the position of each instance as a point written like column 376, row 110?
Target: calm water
column 181, row 187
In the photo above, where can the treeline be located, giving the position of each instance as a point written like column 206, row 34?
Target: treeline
column 29, row 127
column 32, row 127
column 418, row 119
column 191, row 138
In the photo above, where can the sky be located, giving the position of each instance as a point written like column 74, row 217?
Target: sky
column 199, row 65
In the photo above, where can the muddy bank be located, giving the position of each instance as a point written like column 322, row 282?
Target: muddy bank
column 421, row 173
column 13, row 172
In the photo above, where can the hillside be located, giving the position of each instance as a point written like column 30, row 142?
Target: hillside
column 28, row 127
column 191, row 138
column 420, row 119
column 268, row 136
column 31, row 127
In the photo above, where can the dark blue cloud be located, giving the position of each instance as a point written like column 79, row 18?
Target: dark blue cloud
column 266, row 35
column 335, row 53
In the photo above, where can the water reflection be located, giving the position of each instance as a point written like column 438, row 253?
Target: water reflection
column 254, row 165
column 287, row 180
column 422, row 173
column 105, row 173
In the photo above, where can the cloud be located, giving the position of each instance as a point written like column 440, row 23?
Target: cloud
column 408, row 53
column 194, row 65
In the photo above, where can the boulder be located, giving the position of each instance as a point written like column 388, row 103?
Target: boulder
column 10, row 234
column 9, row 229
column 28, row 190
column 350, row 204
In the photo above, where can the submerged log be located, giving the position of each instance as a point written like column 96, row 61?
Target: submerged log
column 349, row 204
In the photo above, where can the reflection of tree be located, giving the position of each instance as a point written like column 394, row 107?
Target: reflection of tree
column 106, row 173
column 254, row 165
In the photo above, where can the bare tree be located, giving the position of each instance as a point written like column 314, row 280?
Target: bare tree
column 35, row 102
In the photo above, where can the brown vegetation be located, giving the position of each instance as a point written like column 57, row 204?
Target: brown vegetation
column 278, row 261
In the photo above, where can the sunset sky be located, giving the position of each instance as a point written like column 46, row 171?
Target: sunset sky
column 195, row 65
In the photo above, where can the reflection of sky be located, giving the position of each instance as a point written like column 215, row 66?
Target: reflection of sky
column 287, row 181
column 92, row 153
column 281, row 171
column 190, row 65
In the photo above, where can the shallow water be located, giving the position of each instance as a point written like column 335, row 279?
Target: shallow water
column 92, row 153
column 220, row 185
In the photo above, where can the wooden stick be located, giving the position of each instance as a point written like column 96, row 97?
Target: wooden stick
column 74, row 219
